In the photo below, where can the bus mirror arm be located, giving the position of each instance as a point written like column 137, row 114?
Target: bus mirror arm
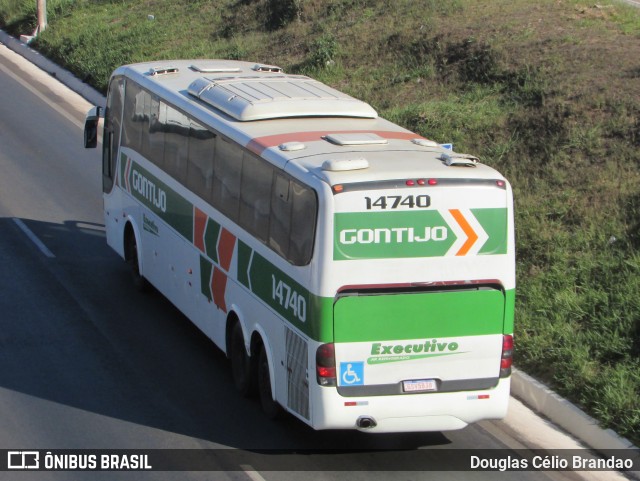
column 91, row 127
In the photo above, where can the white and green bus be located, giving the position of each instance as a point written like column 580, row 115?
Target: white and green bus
column 356, row 274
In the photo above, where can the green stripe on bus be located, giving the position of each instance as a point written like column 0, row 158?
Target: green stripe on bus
column 211, row 239
column 419, row 315
column 423, row 233
column 312, row 314
column 244, row 256
column 159, row 198
column 509, row 310
column 206, row 268
column 387, row 235
column 494, row 222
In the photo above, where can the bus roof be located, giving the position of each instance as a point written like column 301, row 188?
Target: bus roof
column 298, row 122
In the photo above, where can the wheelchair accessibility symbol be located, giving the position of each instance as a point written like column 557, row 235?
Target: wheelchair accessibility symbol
column 352, row 373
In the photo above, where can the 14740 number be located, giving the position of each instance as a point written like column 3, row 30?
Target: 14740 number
column 288, row 298
column 398, row 201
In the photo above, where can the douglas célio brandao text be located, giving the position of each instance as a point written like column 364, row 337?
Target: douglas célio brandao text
column 530, row 462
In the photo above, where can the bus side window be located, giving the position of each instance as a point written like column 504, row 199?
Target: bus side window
column 107, row 170
column 255, row 196
column 202, row 147
column 133, row 118
column 176, row 126
column 154, row 142
column 111, row 137
column 303, row 222
column 281, row 207
column 227, row 173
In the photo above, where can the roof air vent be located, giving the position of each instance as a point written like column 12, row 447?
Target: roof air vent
column 267, row 68
column 425, row 142
column 292, row 146
column 342, row 165
column 454, row 159
column 162, row 70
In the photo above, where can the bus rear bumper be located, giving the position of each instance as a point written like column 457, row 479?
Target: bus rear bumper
column 412, row 413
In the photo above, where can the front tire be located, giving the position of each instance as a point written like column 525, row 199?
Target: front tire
column 139, row 282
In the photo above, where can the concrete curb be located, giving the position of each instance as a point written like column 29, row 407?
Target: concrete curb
column 538, row 397
column 541, row 399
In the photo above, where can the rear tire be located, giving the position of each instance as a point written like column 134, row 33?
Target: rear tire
column 270, row 406
column 139, row 282
column 240, row 363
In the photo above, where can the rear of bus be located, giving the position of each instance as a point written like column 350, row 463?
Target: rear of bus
column 423, row 278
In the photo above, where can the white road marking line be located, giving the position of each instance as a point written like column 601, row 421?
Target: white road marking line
column 252, row 473
column 29, row 233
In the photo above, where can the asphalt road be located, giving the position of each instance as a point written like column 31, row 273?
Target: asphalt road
column 86, row 362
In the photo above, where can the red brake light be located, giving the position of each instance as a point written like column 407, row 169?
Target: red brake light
column 506, row 360
column 326, row 371
column 326, row 365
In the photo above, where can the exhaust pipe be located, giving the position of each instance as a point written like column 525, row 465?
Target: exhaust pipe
column 366, row 422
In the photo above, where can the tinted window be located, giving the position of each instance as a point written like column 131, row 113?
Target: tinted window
column 134, row 121
column 278, row 210
column 226, row 181
column 281, row 209
column 111, row 138
column 293, row 219
column 303, row 221
column 153, row 146
column 176, row 126
column 255, row 196
column 202, row 146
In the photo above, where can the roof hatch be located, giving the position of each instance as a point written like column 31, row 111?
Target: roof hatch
column 342, row 165
column 356, row 139
column 273, row 95
column 218, row 67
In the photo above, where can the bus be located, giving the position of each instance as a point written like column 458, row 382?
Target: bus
column 356, row 275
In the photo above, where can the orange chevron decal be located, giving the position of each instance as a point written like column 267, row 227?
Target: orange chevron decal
column 472, row 237
column 199, row 225
column 226, row 245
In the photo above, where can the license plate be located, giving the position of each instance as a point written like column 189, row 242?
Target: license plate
column 419, row 385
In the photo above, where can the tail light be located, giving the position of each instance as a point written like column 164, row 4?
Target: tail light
column 507, row 356
column 326, row 365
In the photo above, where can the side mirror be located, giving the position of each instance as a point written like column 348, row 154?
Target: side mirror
column 91, row 128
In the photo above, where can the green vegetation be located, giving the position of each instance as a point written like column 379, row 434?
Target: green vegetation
column 548, row 92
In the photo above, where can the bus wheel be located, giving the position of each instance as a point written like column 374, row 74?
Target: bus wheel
column 140, row 283
column 240, row 363
column 270, row 407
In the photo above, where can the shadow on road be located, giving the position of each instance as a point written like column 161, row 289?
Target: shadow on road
column 75, row 332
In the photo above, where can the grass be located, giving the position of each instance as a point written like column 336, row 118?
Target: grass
column 547, row 92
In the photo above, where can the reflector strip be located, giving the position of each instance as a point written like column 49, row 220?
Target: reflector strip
column 356, row 403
